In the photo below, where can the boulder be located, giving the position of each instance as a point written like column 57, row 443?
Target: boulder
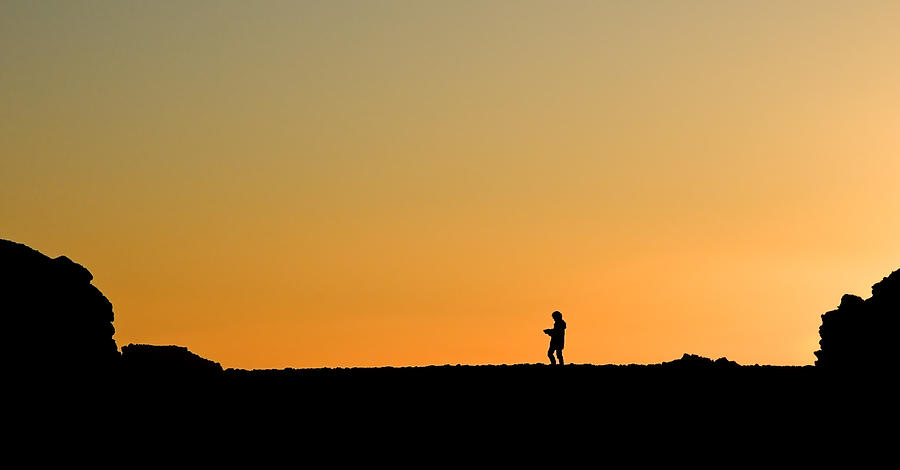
column 859, row 334
column 56, row 320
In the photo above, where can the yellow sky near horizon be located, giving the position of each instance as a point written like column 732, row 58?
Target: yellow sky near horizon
column 353, row 183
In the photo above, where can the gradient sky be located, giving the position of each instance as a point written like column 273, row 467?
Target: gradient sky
column 336, row 183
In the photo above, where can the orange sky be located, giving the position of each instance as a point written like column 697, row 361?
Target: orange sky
column 304, row 184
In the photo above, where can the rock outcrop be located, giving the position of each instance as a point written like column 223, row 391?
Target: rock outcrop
column 169, row 361
column 693, row 361
column 56, row 320
column 861, row 334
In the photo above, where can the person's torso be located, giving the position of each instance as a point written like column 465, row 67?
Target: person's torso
column 559, row 330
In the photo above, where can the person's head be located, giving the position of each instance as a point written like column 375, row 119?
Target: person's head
column 556, row 315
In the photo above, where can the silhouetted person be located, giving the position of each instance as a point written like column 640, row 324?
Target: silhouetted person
column 557, row 338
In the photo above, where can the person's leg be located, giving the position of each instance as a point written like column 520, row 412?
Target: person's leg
column 559, row 356
column 550, row 355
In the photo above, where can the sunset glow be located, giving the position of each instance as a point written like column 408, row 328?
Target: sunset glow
column 366, row 183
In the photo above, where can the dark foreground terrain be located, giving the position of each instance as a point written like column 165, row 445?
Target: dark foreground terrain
column 688, row 411
column 691, row 393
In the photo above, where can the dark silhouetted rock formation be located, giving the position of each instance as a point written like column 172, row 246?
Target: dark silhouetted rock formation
column 56, row 320
column 149, row 360
column 861, row 334
column 693, row 361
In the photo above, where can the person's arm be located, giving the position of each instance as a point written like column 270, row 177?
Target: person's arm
column 559, row 328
